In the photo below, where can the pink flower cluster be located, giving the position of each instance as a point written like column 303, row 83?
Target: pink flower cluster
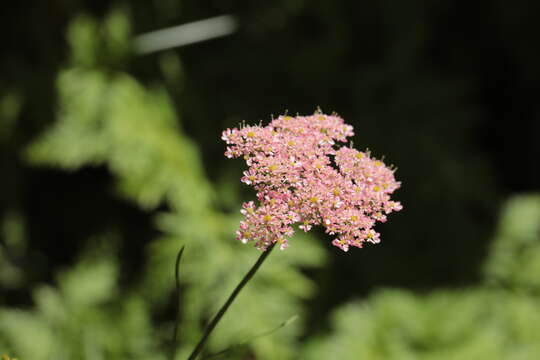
column 301, row 176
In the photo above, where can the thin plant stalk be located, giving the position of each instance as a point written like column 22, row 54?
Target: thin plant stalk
column 212, row 324
column 177, row 297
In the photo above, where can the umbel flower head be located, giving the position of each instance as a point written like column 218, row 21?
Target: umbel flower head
column 303, row 177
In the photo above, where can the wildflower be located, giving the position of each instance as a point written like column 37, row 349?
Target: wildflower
column 302, row 177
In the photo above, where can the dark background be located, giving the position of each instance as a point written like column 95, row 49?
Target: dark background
column 447, row 91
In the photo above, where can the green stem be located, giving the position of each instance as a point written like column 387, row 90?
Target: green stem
column 177, row 298
column 229, row 301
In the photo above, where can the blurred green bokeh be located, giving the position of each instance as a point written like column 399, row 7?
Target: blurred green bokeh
column 497, row 319
column 122, row 165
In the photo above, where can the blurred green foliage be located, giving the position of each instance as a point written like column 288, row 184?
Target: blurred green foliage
column 84, row 317
column 108, row 118
column 498, row 319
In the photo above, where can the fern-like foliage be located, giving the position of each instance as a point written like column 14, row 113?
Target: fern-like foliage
column 108, row 118
column 84, row 316
column 498, row 320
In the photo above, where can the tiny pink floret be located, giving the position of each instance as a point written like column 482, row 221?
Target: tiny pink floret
column 302, row 177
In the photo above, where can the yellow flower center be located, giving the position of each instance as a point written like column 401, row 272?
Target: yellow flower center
column 250, row 134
